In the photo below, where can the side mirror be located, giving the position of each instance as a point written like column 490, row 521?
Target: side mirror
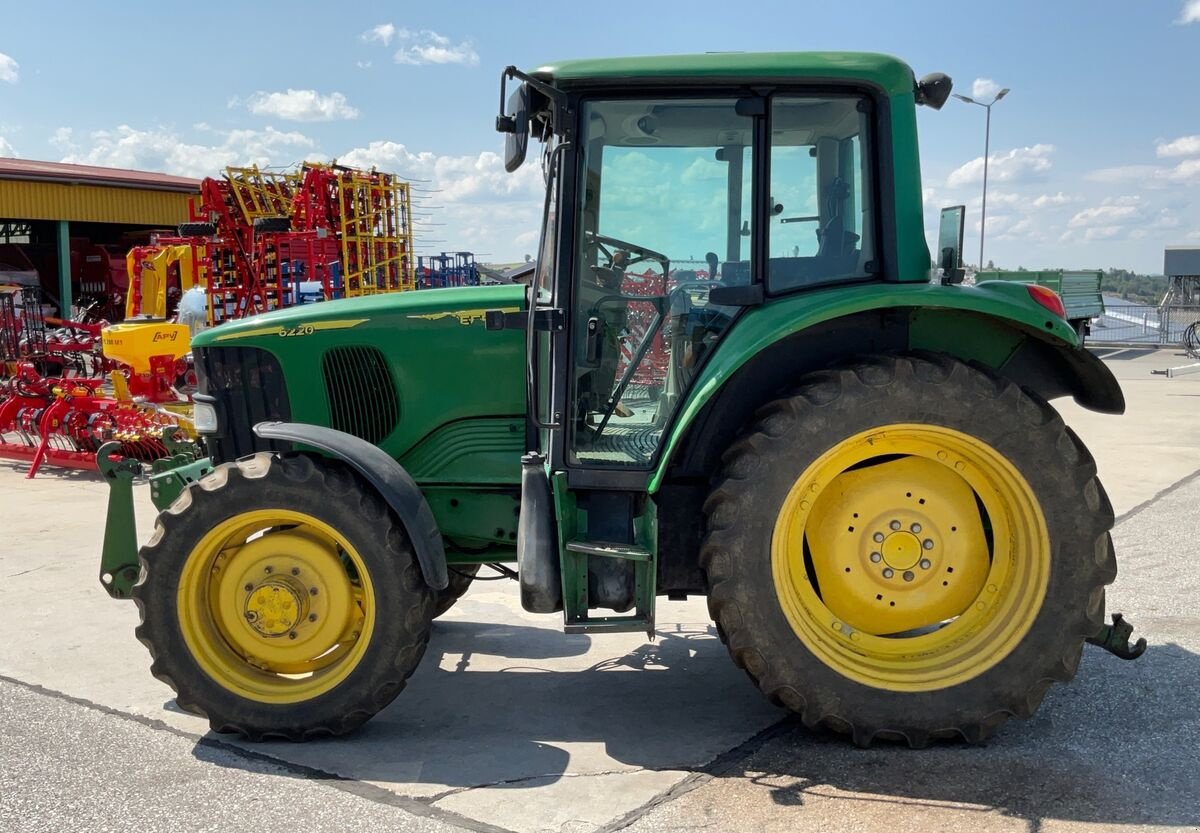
column 514, row 123
column 934, row 89
column 950, row 244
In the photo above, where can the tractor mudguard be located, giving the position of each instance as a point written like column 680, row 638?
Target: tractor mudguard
column 995, row 323
column 389, row 478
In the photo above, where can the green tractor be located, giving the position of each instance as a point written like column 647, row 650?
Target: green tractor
column 733, row 374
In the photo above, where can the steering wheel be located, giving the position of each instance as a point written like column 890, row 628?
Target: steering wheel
column 619, row 256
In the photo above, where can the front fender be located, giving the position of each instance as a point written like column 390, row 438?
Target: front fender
column 394, row 484
column 995, row 323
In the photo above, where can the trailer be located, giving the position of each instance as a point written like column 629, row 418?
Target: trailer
column 1079, row 290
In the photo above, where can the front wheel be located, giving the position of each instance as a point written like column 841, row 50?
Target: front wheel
column 908, row 548
column 280, row 598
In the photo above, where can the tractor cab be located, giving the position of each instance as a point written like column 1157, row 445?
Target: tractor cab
column 672, row 208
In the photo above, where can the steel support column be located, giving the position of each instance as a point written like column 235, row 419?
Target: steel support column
column 64, row 269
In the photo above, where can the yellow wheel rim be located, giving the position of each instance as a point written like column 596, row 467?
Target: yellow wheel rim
column 276, row 606
column 911, row 557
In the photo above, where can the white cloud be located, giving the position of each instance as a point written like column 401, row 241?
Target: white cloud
column 8, row 69
column 1186, row 172
column 62, row 139
column 6, row 149
column 1120, row 218
column 984, row 88
column 1053, row 199
column 1113, row 211
column 162, row 149
column 301, row 105
column 428, row 47
column 1190, row 13
column 383, row 33
column 363, row 64
column 484, row 208
column 1017, row 165
column 1183, row 146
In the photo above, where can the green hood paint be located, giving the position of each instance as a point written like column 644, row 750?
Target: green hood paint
column 462, row 399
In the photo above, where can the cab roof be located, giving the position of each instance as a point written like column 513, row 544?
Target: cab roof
column 891, row 74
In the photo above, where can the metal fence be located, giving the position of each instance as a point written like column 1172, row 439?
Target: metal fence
column 1129, row 323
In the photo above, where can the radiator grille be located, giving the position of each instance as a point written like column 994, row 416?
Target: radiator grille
column 362, row 395
column 249, row 388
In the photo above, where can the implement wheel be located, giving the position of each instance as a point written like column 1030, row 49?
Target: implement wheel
column 280, row 598
column 908, row 548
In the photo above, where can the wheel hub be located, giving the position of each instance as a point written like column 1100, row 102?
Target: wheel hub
column 274, row 608
column 901, row 550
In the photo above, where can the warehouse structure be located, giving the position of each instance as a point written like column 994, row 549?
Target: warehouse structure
column 72, row 224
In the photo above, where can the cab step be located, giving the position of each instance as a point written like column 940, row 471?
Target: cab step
column 578, row 617
column 604, row 549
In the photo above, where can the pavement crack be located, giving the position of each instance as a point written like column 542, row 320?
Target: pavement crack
column 720, row 766
column 1146, row 504
column 361, row 789
column 504, row 782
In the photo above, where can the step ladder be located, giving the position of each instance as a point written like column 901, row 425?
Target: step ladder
column 577, row 618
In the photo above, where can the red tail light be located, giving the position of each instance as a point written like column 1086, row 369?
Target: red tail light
column 1048, row 298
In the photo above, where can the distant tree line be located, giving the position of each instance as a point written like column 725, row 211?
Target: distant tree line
column 1140, row 289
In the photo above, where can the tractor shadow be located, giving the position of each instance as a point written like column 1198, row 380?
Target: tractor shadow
column 510, row 706
column 1119, row 745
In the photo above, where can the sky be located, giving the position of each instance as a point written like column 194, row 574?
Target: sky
column 1095, row 152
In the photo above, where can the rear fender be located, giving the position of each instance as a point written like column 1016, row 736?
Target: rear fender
column 995, row 324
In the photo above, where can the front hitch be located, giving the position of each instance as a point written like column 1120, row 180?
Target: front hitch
column 1114, row 638
column 118, row 559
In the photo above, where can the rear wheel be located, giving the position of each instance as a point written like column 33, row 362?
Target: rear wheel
column 280, row 598
column 908, row 548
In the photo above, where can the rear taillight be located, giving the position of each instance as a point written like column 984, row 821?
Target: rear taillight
column 1048, row 298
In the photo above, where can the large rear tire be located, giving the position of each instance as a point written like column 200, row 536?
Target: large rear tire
column 908, row 548
column 280, row 598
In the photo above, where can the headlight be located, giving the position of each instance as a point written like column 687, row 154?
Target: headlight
column 204, row 417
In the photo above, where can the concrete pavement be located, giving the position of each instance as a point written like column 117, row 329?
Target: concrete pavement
column 511, row 725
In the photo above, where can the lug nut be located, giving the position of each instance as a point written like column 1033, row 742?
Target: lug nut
column 312, row 591
column 887, row 572
column 916, row 528
column 292, row 635
column 894, row 525
column 267, row 569
column 312, row 617
column 878, row 537
column 926, row 563
column 296, row 570
column 876, row 557
column 908, row 575
column 927, row 543
column 248, row 587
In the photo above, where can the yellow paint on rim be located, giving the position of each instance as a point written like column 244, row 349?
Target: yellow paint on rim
column 275, row 606
column 916, row 592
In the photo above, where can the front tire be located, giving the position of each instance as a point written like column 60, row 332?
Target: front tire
column 908, row 548
column 280, row 598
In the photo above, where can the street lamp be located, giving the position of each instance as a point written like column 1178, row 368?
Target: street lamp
column 987, row 137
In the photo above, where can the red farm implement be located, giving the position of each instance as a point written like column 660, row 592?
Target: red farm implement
column 62, row 398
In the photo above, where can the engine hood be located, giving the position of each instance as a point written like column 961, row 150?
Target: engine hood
column 464, row 305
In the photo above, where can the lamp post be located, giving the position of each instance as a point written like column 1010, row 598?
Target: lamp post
column 987, row 138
